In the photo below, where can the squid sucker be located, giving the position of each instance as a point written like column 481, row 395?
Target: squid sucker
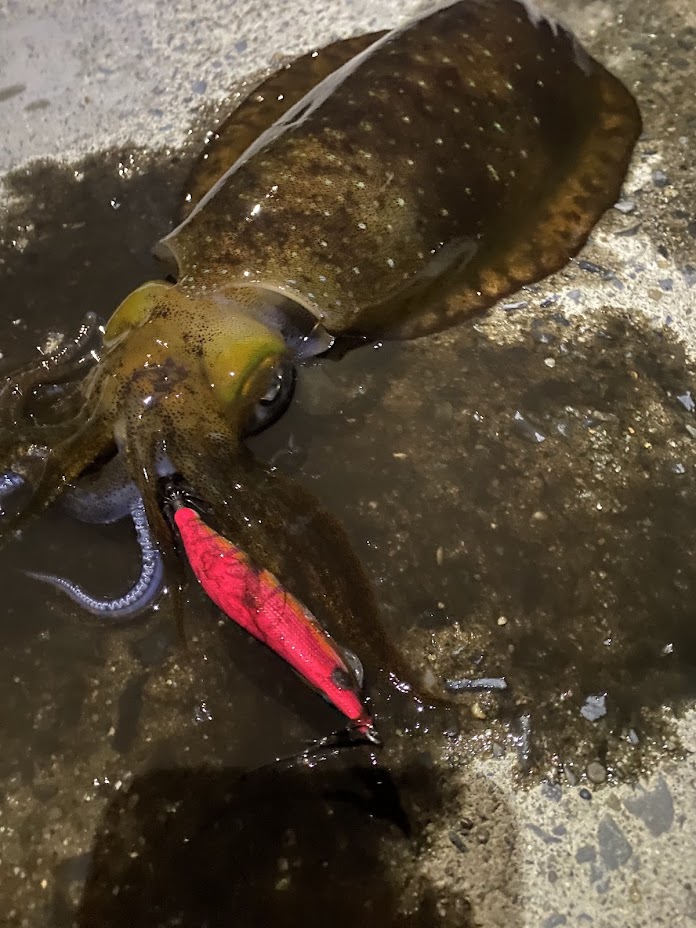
column 386, row 187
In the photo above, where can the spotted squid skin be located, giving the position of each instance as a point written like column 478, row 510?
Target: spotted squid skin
column 267, row 103
column 443, row 167
column 402, row 183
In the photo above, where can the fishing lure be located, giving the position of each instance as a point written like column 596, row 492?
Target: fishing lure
column 388, row 186
column 253, row 598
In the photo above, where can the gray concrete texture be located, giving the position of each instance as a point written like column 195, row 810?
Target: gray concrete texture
column 79, row 76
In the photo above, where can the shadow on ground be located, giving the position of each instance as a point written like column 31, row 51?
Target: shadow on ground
column 346, row 844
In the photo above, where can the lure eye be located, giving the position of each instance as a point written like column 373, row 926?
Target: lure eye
column 355, row 665
column 276, row 398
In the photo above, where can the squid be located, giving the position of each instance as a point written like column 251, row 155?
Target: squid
column 386, row 187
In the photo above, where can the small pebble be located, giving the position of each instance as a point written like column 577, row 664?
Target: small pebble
column 687, row 401
column 512, row 307
column 202, row 713
column 593, row 268
column 486, row 684
column 550, row 362
column 596, row 773
column 502, row 620
column 625, row 206
column 689, row 274
column 478, row 712
column 570, row 775
column 452, row 731
column 553, row 792
column 585, row 793
column 660, row 179
column 527, row 429
column 595, row 708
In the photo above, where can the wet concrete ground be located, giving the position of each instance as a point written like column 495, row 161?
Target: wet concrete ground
column 519, row 492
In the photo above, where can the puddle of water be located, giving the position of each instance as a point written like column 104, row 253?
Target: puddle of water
column 521, row 495
column 525, row 508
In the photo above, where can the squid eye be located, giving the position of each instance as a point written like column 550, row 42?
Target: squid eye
column 274, row 389
column 273, row 403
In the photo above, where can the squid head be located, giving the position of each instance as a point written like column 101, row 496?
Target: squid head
column 192, row 373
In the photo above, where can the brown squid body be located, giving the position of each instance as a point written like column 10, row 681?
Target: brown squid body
column 389, row 186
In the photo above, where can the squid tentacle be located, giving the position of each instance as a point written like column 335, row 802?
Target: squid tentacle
column 104, row 497
column 47, row 471
column 147, row 459
column 141, row 595
column 43, row 444
column 63, row 363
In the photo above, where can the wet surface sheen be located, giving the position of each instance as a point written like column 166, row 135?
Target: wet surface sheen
column 529, row 509
column 470, row 472
column 520, row 495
